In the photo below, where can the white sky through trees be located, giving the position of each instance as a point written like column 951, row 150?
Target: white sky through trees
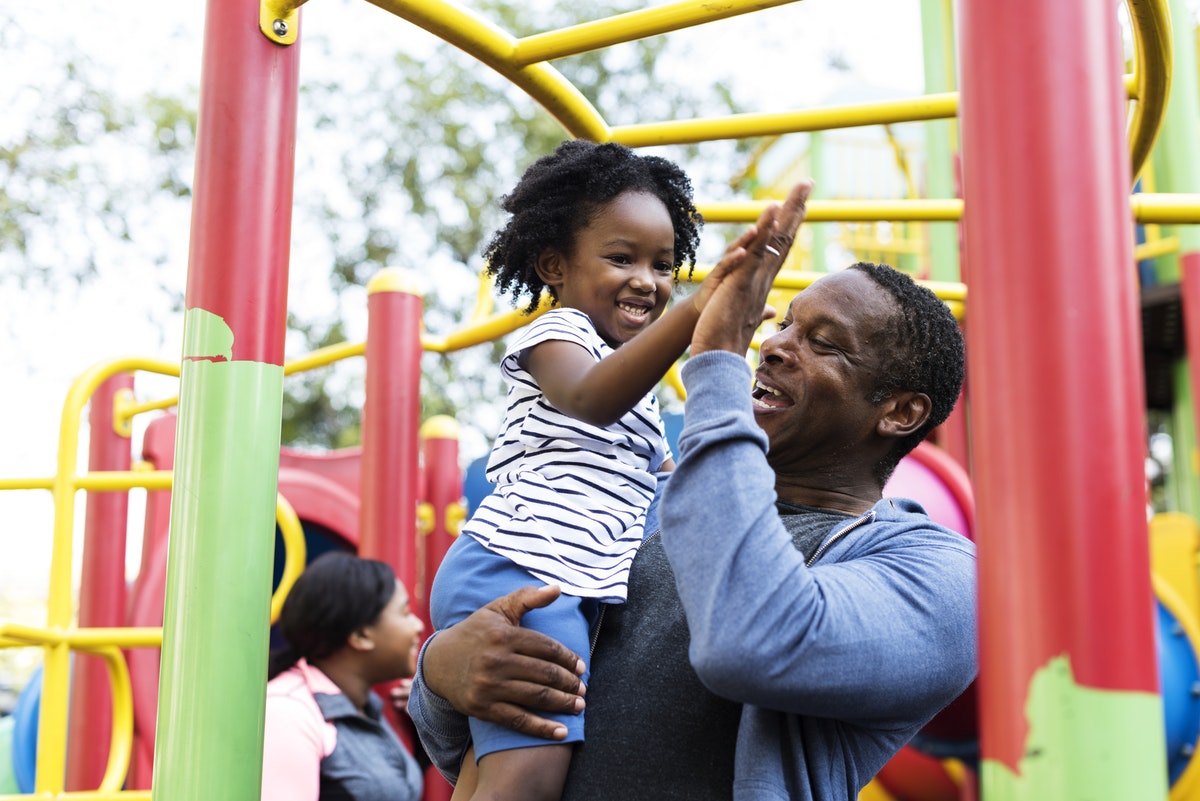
column 779, row 59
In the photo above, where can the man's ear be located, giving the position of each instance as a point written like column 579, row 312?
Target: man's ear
column 549, row 266
column 904, row 413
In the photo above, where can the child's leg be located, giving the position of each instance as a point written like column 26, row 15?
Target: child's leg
column 523, row 774
column 468, row 778
column 519, row 767
column 510, row 765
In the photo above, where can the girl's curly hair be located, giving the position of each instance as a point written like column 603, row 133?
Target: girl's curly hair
column 558, row 195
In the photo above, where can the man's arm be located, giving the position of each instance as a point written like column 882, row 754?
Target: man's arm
column 889, row 634
column 739, row 285
column 490, row 668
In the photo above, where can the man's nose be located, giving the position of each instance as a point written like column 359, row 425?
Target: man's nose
column 775, row 348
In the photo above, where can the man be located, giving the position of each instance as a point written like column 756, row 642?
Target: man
column 827, row 624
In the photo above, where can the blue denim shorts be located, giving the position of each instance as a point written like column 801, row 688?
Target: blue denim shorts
column 470, row 577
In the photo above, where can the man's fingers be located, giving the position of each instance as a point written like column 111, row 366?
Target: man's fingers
column 514, row 717
column 514, row 605
column 531, row 643
column 521, row 689
column 791, row 214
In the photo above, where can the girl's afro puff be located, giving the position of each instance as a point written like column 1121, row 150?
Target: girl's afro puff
column 557, row 196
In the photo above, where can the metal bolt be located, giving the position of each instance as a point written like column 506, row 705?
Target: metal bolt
column 280, row 27
column 1187, row 749
column 1196, row 690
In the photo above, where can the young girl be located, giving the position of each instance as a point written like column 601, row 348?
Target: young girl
column 604, row 231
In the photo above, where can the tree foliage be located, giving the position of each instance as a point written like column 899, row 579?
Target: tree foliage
column 400, row 163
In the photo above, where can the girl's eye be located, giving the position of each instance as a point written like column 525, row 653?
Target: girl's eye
column 664, row 268
column 619, row 258
column 782, row 324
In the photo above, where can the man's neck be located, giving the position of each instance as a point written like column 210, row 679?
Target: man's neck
column 857, row 501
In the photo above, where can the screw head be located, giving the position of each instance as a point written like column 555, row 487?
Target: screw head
column 280, row 27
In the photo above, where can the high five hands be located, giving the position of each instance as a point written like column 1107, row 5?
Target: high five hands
column 735, row 292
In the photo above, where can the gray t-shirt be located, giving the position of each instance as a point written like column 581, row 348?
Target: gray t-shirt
column 653, row 730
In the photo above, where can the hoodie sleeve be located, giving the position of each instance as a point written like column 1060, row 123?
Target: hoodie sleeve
column 443, row 730
column 888, row 634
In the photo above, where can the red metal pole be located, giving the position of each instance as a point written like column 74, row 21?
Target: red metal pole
column 101, row 591
column 443, row 482
column 444, row 493
column 390, row 424
column 1068, row 676
column 217, row 598
column 390, row 448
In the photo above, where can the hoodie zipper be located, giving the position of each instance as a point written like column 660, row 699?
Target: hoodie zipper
column 837, row 535
column 604, row 607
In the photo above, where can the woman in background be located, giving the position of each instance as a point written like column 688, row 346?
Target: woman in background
column 348, row 627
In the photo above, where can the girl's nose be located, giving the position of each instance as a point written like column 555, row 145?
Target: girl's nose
column 643, row 278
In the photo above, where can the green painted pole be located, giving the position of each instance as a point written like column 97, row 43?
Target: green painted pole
column 1177, row 169
column 221, row 542
column 818, row 170
column 937, row 36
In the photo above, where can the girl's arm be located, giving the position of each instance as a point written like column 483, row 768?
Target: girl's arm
column 602, row 392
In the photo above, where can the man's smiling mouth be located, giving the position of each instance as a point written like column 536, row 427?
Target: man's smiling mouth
column 765, row 397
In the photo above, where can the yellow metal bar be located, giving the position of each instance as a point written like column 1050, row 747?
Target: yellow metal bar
column 1153, row 45
column 122, row 420
column 36, row 483
column 126, row 407
column 484, row 331
column 324, row 356
column 121, row 743
column 92, row 639
column 948, row 291
column 56, row 666
column 864, row 242
column 16, row 635
column 294, row 553
column 1178, row 208
column 742, row 126
column 495, row 48
column 935, row 210
column 310, row 361
column 484, row 300
column 675, row 381
column 1153, row 248
column 630, row 26
column 279, row 20
column 115, row 480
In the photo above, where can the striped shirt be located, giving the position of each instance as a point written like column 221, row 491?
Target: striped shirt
column 570, row 500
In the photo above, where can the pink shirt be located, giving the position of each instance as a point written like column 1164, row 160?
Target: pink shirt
column 297, row 736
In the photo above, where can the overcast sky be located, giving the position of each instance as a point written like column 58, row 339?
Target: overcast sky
column 48, row 339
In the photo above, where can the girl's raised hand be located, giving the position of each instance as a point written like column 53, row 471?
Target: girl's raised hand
column 732, row 298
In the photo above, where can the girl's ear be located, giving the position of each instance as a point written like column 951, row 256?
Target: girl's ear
column 905, row 412
column 361, row 640
column 549, row 266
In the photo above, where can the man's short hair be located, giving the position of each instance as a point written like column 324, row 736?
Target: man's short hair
column 928, row 355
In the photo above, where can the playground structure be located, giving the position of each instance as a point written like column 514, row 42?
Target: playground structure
column 1075, row 685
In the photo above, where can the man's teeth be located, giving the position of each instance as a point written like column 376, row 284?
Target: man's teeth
column 764, row 388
